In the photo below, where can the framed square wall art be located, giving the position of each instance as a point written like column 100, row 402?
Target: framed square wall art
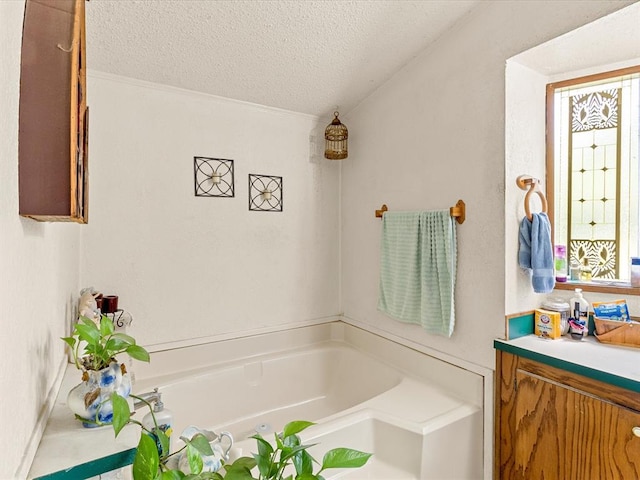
column 265, row 193
column 213, row 177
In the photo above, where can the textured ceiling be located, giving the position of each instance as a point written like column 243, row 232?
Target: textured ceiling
column 306, row 56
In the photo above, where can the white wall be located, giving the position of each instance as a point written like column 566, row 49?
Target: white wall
column 38, row 279
column 527, row 75
column 435, row 133
column 524, row 155
column 187, row 266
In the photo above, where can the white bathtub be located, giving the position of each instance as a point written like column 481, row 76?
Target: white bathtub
column 419, row 416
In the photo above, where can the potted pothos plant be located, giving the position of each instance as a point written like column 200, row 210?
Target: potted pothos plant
column 95, row 348
column 286, row 459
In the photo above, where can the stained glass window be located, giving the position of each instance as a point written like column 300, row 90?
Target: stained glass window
column 596, row 130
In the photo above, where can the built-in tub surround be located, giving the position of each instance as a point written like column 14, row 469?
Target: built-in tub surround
column 302, row 383
column 365, row 392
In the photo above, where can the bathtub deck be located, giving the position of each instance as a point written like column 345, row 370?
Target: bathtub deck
column 375, row 470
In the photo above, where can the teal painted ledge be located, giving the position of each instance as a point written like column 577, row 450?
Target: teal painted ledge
column 93, row 468
column 522, row 325
column 619, row 365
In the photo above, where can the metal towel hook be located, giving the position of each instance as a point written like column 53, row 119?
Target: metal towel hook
column 67, row 50
column 532, row 185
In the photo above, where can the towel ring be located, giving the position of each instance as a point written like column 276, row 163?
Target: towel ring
column 525, row 182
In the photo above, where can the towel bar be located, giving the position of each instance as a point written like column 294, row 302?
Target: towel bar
column 380, row 212
column 527, row 182
column 458, row 211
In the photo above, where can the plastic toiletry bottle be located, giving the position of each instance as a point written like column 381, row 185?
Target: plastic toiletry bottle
column 574, row 271
column 561, row 263
column 561, row 306
column 164, row 422
column 580, row 310
column 585, row 271
column 635, row 271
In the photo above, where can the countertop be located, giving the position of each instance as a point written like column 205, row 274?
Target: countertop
column 616, row 365
column 68, row 450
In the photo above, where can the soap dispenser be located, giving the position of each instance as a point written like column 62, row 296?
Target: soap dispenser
column 163, row 422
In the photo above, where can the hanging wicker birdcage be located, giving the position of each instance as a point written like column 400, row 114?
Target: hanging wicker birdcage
column 336, row 135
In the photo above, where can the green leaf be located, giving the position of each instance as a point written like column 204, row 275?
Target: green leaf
column 86, row 321
column 201, row 444
column 115, row 344
column 297, row 426
column 124, row 337
column 146, row 461
column 344, row 458
column 264, row 447
column 106, row 326
column 92, row 348
column 307, row 476
column 70, row 341
column 171, row 475
column 121, row 412
column 164, row 441
column 195, row 460
column 275, row 468
column 242, row 462
column 279, row 443
column 264, row 464
column 240, row 473
column 292, row 440
column 210, row 476
column 88, row 333
column 303, row 462
column 288, row 452
column 137, row 352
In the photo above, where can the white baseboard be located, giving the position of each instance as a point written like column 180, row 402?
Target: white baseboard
column 41, row 422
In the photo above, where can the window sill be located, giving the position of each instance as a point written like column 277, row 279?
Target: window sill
column 613, row 287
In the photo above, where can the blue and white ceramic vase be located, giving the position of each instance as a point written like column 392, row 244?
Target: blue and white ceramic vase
column 90, row 400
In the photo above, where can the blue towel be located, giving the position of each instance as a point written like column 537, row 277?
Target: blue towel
column 536, row 252
column 418, row 258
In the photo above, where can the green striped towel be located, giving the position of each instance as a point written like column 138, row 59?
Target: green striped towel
column 418, row 269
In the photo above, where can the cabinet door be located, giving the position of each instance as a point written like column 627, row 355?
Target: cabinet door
column 550, row 430
column 52, row 134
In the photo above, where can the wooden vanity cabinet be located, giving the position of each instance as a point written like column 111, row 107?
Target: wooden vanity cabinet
column 52, row 146
column 555, row 425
